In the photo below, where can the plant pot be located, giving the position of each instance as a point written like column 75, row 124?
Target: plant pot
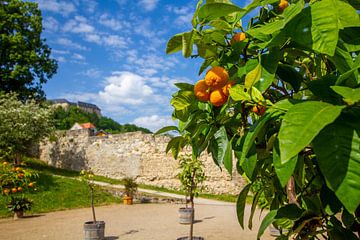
column 128, row 200
column 18, row 214
column 193, row 238
column 186, row 215
column 94, row 231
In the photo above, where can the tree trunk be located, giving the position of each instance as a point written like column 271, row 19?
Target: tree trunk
column 92, row 205
column 192, row 217
column 17, row 158
column 290, row 191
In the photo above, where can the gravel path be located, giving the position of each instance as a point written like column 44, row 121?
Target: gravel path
column 139, row 222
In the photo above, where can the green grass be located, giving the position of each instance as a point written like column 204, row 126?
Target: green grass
column 59, row 193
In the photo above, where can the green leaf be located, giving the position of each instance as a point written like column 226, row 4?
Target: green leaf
column 253, row 207
column 174, row 44
column 351, row 95
column 166, row 129
column 221, row 25
column 249, row 162
column 253, row 76
column 211, row 11
column 239, row 93
column 205, row 65
column 288, row 74
column 182, row 100
column 338, row 149
column 185, row 86
column 187, row 43
column 268, row 219
column 175, row 145
column 224, row 150
column 241, row 204
column 289, row 211
column 283, row 171
column 351, row 38
column 302, row 123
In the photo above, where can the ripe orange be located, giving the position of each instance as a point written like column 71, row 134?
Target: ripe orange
column 31, row 184
column 6, row 191
column 216, row 77
column 19, row 189
column 14, row 190
column 202, row 91
column 282, row 5
column 18, row 169
column 238, row 37
column 259, row 110
column 20, row 175
column 217, row 97
column 226, row 88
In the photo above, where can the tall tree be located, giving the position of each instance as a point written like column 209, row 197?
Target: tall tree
column 25, row 62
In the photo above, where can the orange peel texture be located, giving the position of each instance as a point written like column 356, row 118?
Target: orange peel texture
column 216, row 77
column 218, row 98
column 238, row 37
column 226, row 88
column 202, row 91
column 282, row 5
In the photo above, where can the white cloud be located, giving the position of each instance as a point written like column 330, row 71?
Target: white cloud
column 78, row 25
column 185, row 14
column 95, row 38
column 115, row 41
column 61, row 59
column 61, row 7
column 148, row 5
column 125, row 88
column 50, row 24
column 153, row 122
column 69, row 43
column 110, row 22
column 77, row 56
column 91, row 73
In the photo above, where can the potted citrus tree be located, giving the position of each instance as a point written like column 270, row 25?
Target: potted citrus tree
column 14, row 182
column 191, row 176
column 130, row 189
column 93, row 229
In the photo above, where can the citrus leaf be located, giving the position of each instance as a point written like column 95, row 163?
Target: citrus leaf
column 211, row 11
column 268, row 219
column 338, row 149
column 351, row 95
column 301, row 124
column 283, row 171
column 182, row 100
column 253, row 76
column 166, row 129
column 187, row 43
column 239, row 93
column 175, row 145
column 241, row 204
column 174, row 44
column 224, row 150
column 288, row 74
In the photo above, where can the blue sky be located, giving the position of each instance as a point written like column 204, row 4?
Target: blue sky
column 112, row 53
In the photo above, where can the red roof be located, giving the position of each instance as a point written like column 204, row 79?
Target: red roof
column 87, row 125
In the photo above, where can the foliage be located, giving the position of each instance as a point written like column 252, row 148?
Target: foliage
column 130, row 186
column 25, row 62
column 64, row 120
column 88, row 177
column 14, row 182
column 22, row 125
column 293, row 115
column 191, row 175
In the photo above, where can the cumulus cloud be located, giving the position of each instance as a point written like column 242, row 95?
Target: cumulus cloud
column 69, row 43
column 91, row 73
column 61, row 7
column 51, row 24
column 78, row 25
column 153, row 122
column 148, row 5
column 110, row 22
column 77, row 56
column 125, row 88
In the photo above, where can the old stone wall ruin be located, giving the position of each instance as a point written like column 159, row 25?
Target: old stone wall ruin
column 137, row 155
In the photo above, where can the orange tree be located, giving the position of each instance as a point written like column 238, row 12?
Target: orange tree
column 281, row 93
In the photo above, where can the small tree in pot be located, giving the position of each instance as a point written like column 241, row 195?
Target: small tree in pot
column 130, row 189
column 93, row 229
column 191, row 176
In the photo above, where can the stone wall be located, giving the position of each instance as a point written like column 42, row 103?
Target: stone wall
column 137, row 155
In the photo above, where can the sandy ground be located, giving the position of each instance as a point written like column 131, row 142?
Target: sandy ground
column 139, row 221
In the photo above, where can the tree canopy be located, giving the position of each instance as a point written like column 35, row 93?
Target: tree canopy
column 25, row 62
column 282, row 95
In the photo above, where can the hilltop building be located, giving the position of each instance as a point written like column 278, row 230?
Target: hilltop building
column 87, row 107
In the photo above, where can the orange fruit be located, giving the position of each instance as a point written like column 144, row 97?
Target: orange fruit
column 6, row 191
column 19, row 189
column 20, row 175
column 14, row 190
column 217, row 97
column 31, row 184
column 202, row 91
column 226, row 88
column 282, row 5
column 238, row 37
column 259, row 110
column 18, row 169
column 216, row 77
